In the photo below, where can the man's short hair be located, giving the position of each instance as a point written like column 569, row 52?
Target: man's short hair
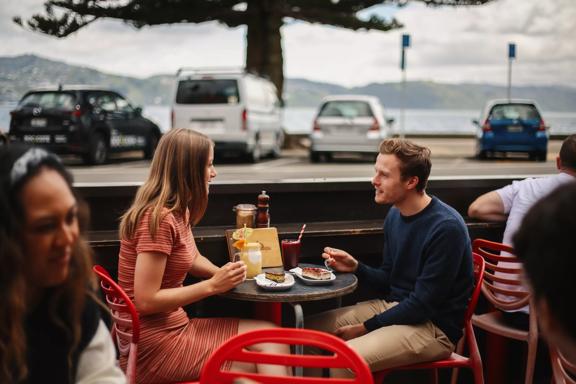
column 414, row 159
column 568, row 152
column 545, row 244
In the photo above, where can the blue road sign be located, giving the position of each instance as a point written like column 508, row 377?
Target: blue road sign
column 511, row 50
column 405, row 40
column 405, row 44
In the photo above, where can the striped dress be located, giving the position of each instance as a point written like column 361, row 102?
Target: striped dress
column 172, row 346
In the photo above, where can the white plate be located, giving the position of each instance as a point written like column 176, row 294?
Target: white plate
column 264, row 283
column 298, row 272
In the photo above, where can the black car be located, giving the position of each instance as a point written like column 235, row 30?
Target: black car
column 89, row 122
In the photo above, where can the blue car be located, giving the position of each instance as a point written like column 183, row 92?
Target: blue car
column 512, row 126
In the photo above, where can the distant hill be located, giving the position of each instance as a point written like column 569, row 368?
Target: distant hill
column 19, row 74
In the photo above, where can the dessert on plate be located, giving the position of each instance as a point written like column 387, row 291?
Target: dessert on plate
column 316, row 273
column 277, row 277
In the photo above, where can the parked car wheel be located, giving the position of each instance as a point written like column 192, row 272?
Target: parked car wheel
column 256, row 153
column 539, row 156
column 314, row 157
column 151, row 144
column 98, row 152
column 542, row 156
column 277, row 150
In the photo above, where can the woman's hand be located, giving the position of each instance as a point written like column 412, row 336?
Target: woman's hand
column 228, row 276
column 339, row 260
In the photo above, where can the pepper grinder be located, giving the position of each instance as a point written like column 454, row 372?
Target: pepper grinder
column 263, row 215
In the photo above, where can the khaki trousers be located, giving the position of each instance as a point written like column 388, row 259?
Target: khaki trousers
column 384, row 347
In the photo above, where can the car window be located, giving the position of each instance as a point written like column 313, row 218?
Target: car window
column 514, row 112
column 105, row 101
column 272, row 96
column 122, row 104
column 255, row 91
column 207, row 91
column 51, row 100
column 346, row 108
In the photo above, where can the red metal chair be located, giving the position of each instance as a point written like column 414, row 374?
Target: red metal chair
column 457, row 359
column 126, row 324
column 564, row 371
column 503, row 288
column 235, row 350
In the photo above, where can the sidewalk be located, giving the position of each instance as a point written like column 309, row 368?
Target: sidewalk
column 441, row 147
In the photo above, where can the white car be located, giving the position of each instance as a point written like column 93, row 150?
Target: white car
column 348, row 123
column 239, row 111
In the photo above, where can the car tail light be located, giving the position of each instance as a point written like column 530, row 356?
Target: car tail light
column 375, row 126
column 486, row 126
column 172, row 118
column 244, row 120
column 77, row 112
column 542, row 126
column 316, row 126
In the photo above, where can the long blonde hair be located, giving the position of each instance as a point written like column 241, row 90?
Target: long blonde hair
column 176, row 183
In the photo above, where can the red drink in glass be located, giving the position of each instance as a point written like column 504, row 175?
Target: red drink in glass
column 290, row 253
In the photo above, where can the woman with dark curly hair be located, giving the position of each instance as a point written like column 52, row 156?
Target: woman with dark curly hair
column 50, row 325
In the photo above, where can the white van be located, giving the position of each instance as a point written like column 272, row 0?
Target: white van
column 239, row 111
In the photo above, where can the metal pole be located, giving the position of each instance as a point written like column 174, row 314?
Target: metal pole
column 402, row 101
column 509, row 92
column 511, row 56
column 405, row 44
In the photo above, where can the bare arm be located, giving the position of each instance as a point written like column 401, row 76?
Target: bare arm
column 489, row 206
column 150, row 298
column 203, row 267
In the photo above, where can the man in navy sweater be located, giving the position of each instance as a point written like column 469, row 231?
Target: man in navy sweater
column 426, row 276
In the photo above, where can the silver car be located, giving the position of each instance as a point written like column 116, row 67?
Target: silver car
column 348, row 124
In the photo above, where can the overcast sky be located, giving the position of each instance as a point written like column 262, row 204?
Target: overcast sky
column 448, row 45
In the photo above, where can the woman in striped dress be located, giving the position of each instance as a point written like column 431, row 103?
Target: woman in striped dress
column 157, row 252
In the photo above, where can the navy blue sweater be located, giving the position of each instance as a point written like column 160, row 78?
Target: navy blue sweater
column 426, row 267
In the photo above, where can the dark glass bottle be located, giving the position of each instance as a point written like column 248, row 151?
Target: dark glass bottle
column 263, row 215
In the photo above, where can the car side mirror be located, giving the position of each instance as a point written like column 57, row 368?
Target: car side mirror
column 138, row 111
column 476, row 122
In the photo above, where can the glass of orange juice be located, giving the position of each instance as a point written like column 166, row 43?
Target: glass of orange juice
column 252, row 257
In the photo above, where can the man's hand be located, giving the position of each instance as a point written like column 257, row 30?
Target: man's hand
column 339, row 260
column 349, row 332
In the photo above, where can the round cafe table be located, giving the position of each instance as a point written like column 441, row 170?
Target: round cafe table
column 298, row 293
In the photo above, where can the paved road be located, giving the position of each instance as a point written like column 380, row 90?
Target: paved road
column 451, row 158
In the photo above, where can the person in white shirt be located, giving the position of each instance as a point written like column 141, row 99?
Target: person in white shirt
column 511, row 202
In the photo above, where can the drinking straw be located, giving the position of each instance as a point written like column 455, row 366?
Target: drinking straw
column 301, row 232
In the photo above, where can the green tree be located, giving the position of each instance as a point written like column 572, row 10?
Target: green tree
column 263, row 19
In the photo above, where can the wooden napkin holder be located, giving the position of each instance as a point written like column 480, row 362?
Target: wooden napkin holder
column 268, row 238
